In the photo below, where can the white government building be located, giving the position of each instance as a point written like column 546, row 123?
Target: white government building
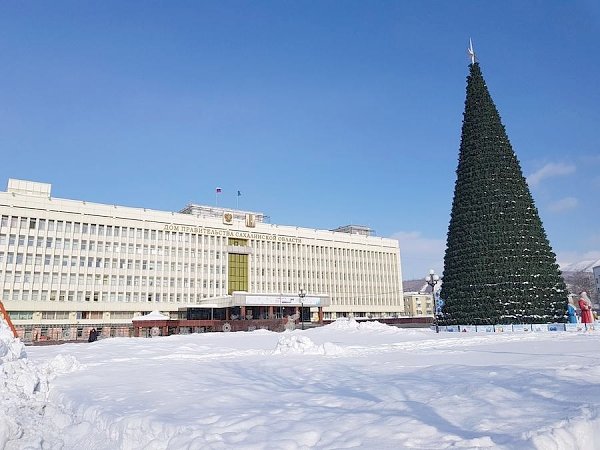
column 69, row 261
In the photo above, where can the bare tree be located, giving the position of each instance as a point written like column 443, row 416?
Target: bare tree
column 582, row 281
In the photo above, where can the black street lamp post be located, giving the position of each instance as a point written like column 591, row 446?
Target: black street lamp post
column 432, row 279
column 302, row 294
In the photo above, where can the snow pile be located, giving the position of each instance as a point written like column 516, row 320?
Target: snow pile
column 18, row 385
column 350, row 323
column 261, row 331
column 344, row 323
column 153, row 315
column 582, row 432
column 377, row 326
column 27, row 419
column 11, row 349
column 298, row 344
column 15, row 374
column 59, row 365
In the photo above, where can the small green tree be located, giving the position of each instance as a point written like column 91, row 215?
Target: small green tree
column 498, row 265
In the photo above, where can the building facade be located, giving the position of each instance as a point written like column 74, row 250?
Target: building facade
column 68, row 261
column 418, row 304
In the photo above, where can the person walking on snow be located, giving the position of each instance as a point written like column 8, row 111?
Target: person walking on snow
column 93, row 335
column 585, row 305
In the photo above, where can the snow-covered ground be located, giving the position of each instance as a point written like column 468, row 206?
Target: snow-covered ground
column 346, row 385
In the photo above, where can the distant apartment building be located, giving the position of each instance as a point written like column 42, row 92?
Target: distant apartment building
column 418, row 304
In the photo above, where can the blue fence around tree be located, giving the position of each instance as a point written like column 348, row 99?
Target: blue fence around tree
column 520, row 328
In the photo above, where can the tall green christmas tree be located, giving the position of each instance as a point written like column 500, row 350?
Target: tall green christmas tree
column 498, row 267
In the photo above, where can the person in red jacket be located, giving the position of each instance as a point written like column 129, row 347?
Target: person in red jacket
column 585, row 305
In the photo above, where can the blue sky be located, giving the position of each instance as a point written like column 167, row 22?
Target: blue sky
column 320, row 113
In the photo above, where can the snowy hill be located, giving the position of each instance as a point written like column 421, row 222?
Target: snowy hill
column 580, row 266
column 415, row 286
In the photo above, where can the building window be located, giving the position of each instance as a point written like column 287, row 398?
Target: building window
column 238, row 273
column 21, row 315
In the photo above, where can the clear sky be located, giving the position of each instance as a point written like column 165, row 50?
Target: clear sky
column 320, row 113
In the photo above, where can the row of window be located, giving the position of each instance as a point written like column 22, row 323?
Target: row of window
column 99, row 296
column 172, row 283
column 107, row 247
column 340, row 293
column 36, row 278
column 79, row 315
column 106, row 263
column 342, row 297
column 138, row 249
column 17, row 258
column 130, row 264
column 25, row 223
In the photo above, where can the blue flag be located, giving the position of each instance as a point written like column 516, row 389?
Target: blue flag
column 239, row 194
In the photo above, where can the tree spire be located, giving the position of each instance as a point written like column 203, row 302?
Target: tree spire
column 471, row 52
column 498, row 265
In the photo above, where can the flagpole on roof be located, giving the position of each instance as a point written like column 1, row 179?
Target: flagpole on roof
column 217, row 192
column 237, row 200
